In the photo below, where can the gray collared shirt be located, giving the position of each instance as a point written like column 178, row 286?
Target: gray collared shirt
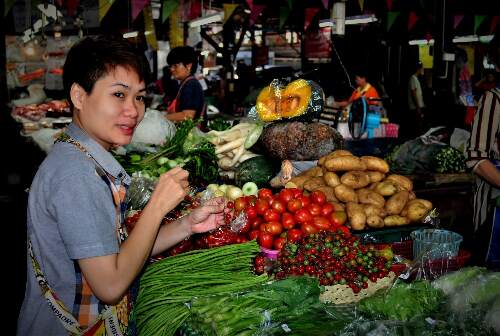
column 71, row 216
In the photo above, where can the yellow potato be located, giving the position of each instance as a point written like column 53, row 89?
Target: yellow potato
column 416, row 212
column 314, row 183
column 329, row 193
column 373, row 210
column 367, row 196
column 386, row 188
column 402, row 181
column 412, row 195
column 331, row 179
column 312, row 172
column 374, row 221
column 395, row 220
column 337, row 153
column 355, row 179
column 397, row 202
column 344, row 163
column 375, row 163
column 424, row 204
column 338, row 206
column 345, row 194
column 356, row 215
column 375, row 176
column 299, row 181
column 373, row 185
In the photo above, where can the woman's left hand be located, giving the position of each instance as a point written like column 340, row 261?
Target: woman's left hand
column 207, row 217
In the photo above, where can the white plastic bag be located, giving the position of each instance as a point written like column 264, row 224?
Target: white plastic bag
column 154, row 129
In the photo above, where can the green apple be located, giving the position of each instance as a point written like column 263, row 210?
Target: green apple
column 250, row 188
column 213, row 187
column 223, row 188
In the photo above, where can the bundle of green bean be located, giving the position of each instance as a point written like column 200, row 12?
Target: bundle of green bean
column 168, row 284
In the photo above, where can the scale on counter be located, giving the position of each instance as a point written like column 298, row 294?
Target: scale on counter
column 362, row 119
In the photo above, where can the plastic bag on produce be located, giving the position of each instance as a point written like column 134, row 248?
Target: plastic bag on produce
column 139, row 192
column 193, row 140
column 240, row 224
column 154, row 129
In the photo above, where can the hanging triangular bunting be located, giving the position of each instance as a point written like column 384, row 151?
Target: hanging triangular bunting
column 8, row 4
column 478, row 19
column 168, row 8
column 71, row 6
column 176, row 32
column 412, row 20
column 361, row 5
column 457, row 19
column 228, row 10
column 250, row 4
column 391, row 17
column 325, row 3
column 149, row 27
column 194, row 10
column 310, row 14
column 256, row 10
column 284, row 12
column 494, row 22
column 104, row 6
column 389, row 4
column 137, row 7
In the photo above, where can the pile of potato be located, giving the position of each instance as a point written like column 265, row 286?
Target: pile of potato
column 361, row 186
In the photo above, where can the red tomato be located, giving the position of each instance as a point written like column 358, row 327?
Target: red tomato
column 303, row 216
column 326, row 209
column 296, row 192
column 251, row 200
column 287, row 220
column 344, row 230
column 314, row 209
column 265, row 240
column 240, row 204
column 309, row 228
column 264, row 192
column 278, row 206
column 321, row 223
column 253, row 234
column 294, row 205
column 338, row 218
column 271, row 216
column 262, row 206
column 318, row 197
column 251, row 212
column 305, row 200
column 337, row 206
column 255, row 222
column 294, row 235
column 274, row 228
column 286, row 195
column 278, row 243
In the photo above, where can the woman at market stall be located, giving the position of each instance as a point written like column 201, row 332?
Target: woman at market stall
column 483, row 157
column 189, row 102
column 363, row 89
column 80, row 267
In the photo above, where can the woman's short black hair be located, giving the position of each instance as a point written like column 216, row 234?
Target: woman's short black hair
column 95, row 56
column 185, row 55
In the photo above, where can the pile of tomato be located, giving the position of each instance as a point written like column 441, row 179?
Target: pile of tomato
column 334, row 258
column 288, row 215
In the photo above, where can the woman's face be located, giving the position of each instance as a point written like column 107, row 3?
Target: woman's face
column 360, row 81
column 180, row 71
column 110, row 113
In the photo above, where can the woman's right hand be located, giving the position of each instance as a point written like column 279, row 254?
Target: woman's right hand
column 170, row 190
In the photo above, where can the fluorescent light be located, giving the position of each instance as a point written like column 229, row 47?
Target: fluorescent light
column 217, row 17
column 351, row 20
column 131, row 34
column 421, row 42
column 219, row 55
column 465, row 39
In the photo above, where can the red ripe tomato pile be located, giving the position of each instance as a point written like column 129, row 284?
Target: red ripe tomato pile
column 334, row 258
column 287, row 216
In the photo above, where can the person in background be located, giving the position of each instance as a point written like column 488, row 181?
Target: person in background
column 81, row 262
column 168, row 87
column 488, row 82
column 416, row 104
column 482, row 155
column 363, row 89
column 189, row 102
